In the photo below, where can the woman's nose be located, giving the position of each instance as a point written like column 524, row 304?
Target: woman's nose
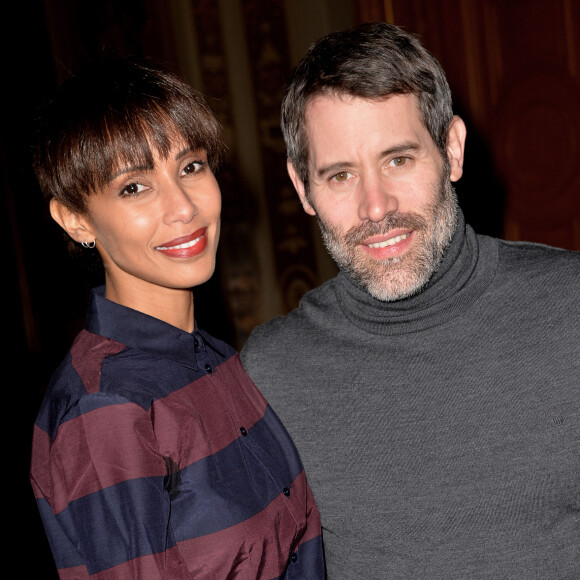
column 180, row 205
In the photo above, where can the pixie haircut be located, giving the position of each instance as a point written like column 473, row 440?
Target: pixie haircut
column 371, row 61
column 116, row 113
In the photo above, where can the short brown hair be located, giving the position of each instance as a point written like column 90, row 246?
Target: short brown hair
column 116, row 111
column 371, row 61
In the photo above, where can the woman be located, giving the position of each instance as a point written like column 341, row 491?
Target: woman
column 154, row 455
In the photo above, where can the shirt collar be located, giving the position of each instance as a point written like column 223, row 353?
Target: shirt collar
column 143, row 332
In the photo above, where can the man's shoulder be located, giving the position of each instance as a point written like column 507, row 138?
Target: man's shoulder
column 280, row 332
column 537, row 250
column 538, row 276
column 539, row 259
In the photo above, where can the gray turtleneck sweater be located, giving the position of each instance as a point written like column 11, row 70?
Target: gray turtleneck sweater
column 440, row 434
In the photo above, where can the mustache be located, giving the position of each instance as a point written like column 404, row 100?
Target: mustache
column 391, row 221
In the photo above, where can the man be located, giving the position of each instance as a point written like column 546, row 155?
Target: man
column 433, row 387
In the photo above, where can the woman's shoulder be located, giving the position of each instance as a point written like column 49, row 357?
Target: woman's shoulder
column 74, row 384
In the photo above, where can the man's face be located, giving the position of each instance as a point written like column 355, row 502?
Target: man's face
column 380, row 190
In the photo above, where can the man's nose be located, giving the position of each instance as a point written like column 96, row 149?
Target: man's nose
column 377, row 199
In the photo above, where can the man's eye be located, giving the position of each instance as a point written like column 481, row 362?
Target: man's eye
column 399, row 161
column 342, row 176
column 132, row 190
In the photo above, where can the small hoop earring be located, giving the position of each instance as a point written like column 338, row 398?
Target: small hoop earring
column 89, row 245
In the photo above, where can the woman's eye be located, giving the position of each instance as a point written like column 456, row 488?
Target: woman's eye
column 132, row 190
column 194, row 167
column 399, row 161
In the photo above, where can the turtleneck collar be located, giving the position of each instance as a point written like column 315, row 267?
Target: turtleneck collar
column 467, row 269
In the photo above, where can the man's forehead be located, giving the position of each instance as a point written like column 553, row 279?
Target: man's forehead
column 337, row 121
column 333, row 115
column 330, row 99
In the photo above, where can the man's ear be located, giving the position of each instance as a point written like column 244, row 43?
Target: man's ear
column 300, row 188
column 76, row 225
column 456, row 147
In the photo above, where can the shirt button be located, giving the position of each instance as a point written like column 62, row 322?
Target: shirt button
column 243, row 431
column 293, row 557
column 286, row 491
column 208, row 369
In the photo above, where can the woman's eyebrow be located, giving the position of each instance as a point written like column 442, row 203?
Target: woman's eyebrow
column 130, row 169
column 183, row 153
column 187, row 150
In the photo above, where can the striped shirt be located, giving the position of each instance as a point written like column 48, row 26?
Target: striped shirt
column 155, row 456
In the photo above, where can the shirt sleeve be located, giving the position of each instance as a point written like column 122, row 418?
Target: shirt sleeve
column 101, row 490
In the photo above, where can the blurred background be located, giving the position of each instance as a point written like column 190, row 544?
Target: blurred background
column 513, row 67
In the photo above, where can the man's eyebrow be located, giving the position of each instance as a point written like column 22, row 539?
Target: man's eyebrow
column 338, row 166
column 344, row 165
column 401, row 148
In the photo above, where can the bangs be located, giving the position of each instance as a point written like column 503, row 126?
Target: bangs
column 114, row 116
column 132, row 140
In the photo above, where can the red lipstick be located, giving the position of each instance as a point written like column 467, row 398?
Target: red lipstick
column 185, row 246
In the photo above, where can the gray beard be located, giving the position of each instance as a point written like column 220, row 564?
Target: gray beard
column 397, row 278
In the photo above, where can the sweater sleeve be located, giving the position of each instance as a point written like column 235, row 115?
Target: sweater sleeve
column 100, row 486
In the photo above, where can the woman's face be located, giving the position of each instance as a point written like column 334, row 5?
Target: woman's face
column 157, row 228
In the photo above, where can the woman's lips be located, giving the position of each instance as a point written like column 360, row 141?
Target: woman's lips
column 185, row 246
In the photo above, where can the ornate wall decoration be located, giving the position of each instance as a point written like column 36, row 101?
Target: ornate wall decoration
column 291, row 236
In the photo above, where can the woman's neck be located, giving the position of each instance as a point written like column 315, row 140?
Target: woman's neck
column 171, row 305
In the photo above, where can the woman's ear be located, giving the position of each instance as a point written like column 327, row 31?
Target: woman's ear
column 456, row 147
column 76, row 225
